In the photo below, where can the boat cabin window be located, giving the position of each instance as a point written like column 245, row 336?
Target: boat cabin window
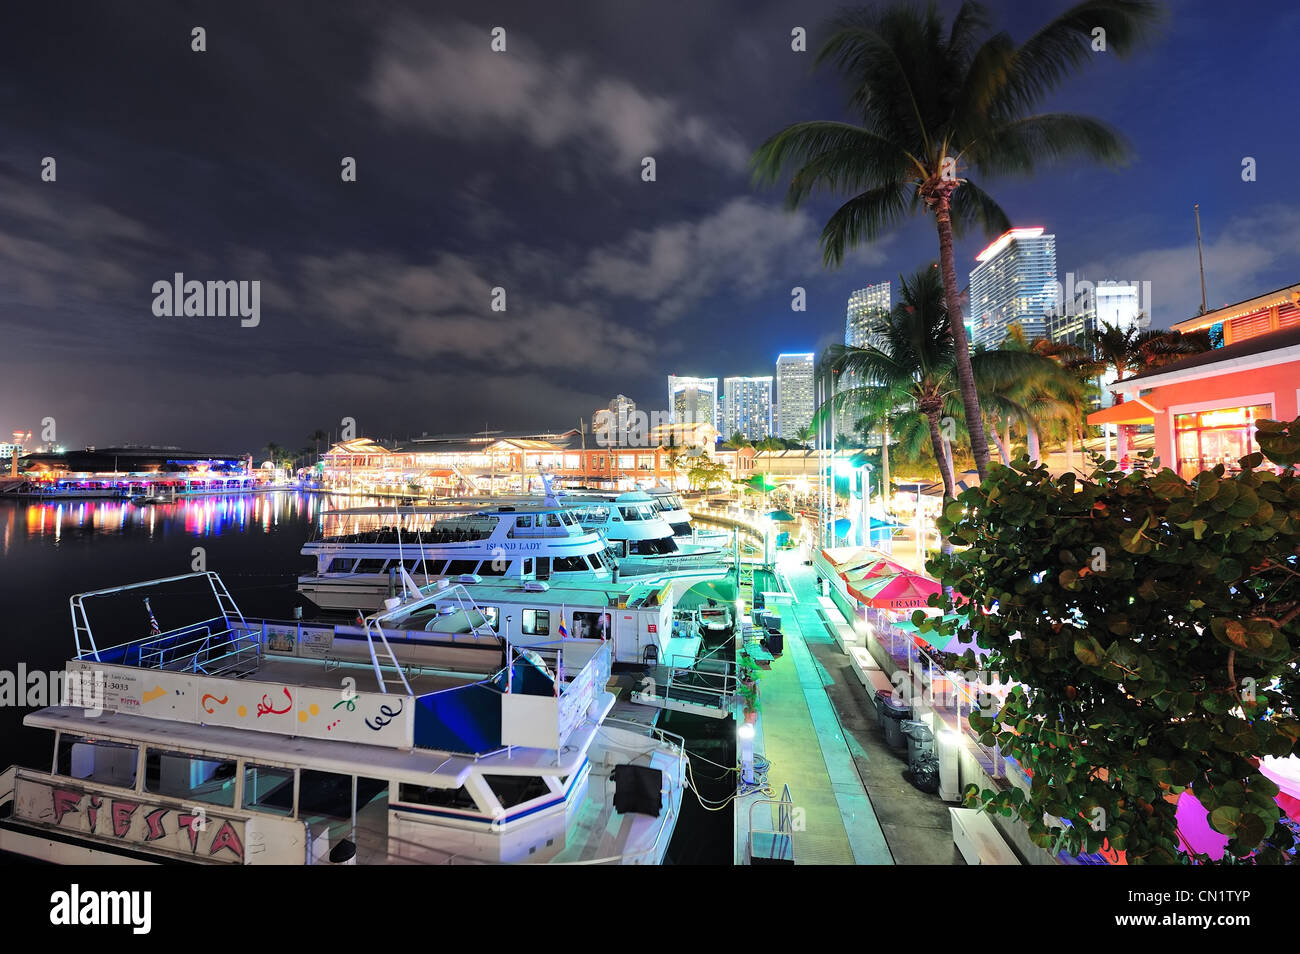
column 268, row 789
column 109, row 763
column 630, row 513
column 569, row 565
column 512, row 790
column 435, row 567
column 537, row 622
column 342, row 565
column 497, row 566
column 326, row 795
column 524, row 521
column 457, row 567
column 371, row 566
column 553, row 520
column 457, row 798
column 181, row 775
column 493, row 616
column 590, row 625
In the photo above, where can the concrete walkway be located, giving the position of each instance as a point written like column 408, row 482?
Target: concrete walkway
column 914, row 826
column 799, row 733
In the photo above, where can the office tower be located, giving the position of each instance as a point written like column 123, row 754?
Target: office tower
column 615, row 420
column 747, row 407
column 794, row 394
column 1013, row 284
column 693, row 400
column 867, row 307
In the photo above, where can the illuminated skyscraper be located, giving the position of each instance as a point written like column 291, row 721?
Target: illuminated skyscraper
column 693, row 400
column 747, row 407
column 1013, row 284
column 794, row 394
column 867, row 306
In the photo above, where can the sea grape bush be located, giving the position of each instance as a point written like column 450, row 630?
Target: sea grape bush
column 1173, row 666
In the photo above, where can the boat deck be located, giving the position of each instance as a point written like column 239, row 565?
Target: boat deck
column 313, row 675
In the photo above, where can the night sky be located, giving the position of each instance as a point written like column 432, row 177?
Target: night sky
column 522, row 170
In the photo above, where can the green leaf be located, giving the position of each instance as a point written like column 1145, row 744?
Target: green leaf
column 1224, row 820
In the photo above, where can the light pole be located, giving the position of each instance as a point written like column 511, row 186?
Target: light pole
column 865, row 531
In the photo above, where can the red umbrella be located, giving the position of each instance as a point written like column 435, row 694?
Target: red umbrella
column 902, row 592
column 881, row 566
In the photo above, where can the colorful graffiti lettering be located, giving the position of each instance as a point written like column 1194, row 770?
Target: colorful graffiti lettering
column 385, row 716
column 65, row 802
column 121, row 813
column 265, row 707
column 226, row 838
column 154, row 821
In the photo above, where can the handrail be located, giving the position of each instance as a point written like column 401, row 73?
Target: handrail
column 784, row 820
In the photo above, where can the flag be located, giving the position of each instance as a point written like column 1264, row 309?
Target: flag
column 564, row 630
column 154, row 629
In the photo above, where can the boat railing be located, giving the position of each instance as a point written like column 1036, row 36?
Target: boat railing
column 780, row 833
column 191, row 649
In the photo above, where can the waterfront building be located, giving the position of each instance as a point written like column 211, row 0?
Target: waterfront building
column 124, row 471
column 794, row 394
column 747, row 407
column 693, row 400
column 500, row 462
column 1013, row 284
column 1204, row 408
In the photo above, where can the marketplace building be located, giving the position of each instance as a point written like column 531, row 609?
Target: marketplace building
column 1204, row 408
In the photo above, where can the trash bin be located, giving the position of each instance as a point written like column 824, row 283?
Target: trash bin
column 775, row 641
column 922, row 762
column 892, row 712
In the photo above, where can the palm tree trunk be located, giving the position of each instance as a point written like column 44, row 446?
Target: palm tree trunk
column 965, row 376
column 941, row 458
column 1002, row 447
column 1031, row 440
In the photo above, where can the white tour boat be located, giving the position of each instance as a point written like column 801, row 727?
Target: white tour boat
column 361, row 552
column 233, row 741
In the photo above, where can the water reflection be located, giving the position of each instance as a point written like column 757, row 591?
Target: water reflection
column 49, row 521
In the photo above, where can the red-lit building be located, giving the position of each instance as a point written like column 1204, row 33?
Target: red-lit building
column 1204, row 407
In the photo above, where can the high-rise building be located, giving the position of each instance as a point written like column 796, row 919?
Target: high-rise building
column 867, row 307
column 1013, row 284
column 1086, row 306
column 615, row 420
column 794, row 394
column 693, row 400
column 747, row 407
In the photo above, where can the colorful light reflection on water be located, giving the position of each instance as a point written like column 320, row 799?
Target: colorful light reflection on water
column 205, row 516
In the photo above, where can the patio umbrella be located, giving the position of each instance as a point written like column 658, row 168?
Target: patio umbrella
column 902, row 592
column 781, row 516
column 873, row 569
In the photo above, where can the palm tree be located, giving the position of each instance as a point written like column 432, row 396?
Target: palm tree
column 1052, row 397
column 936, row 105
column 915, row 370
column 316, row 437
column 767, row 445
column 1128, row 349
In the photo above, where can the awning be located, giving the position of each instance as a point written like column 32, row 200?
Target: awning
column 1130, row 412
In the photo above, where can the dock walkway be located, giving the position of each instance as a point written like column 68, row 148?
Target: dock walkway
column 801, row 737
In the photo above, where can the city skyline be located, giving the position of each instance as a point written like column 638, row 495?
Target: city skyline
column 527, row 179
